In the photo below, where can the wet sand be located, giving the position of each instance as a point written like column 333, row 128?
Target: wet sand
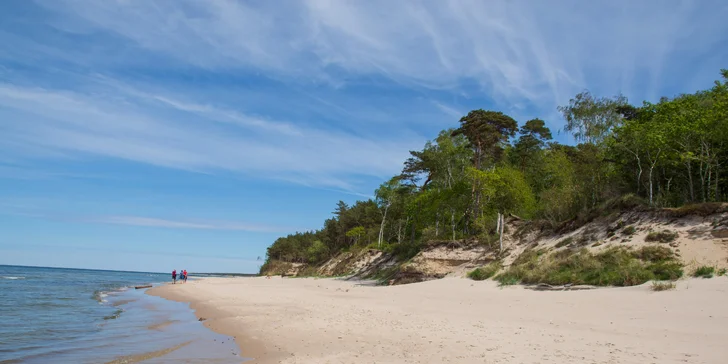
column 456, row 320
column 136, row 358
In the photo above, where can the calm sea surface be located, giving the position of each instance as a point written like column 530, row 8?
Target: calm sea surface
column 52, row 315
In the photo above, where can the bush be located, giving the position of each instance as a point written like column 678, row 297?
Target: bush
column 722, row 272
column 565, row 242
column 406, row 251
column 384, row 247
column 507, row 279
column 662, row 286
column 704, row 272
column 483, row 273
column 629, row 230
column 664, row 236
column 611, row 267
column 654, row 254
column 700, row 209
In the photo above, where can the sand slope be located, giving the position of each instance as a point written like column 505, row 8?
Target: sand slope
column 453, row 320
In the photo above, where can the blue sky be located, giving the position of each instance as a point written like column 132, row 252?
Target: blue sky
column 152, row 135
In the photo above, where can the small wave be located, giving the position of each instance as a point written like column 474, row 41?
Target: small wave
column 114, row 315
column 100, row 296
column 10, row 277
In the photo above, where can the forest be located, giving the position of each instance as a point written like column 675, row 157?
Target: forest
column 459, row 185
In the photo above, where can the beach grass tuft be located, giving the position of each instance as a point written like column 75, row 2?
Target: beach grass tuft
column 663, row 286
column 704, row 272
column 483, row 273
column 664, row 236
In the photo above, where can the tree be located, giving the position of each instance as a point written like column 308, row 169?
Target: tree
column 504, row 190
column 386, row 194
column 356, row 233
column 590, row 119
column 486, row 131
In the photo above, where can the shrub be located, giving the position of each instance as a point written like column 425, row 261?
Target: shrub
column 700, row 209
column 629, row 230
column 406, row 251
column 565, row 242
column 384, row 247
column 507, row 279
column 483, row 273
column 664, row 236
column 654, row 254
column 722, row 272
column 667, row 270
column 704, row 272
column 662, row 286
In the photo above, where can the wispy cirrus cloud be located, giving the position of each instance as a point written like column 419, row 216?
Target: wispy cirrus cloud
column 184, row 224
column 142, row 221
column 123, row 127
column 539, row 51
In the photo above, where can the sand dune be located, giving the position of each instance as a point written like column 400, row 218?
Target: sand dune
column 456, row 320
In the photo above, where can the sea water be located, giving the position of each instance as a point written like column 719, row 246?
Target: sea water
column 54, row 315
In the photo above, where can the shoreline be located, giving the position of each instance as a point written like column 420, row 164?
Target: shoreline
column 308, row 320
column 214, row 319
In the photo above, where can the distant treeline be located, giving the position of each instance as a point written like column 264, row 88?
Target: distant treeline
column 665, row 154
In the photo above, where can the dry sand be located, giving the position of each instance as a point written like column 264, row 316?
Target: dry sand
column 453, row 320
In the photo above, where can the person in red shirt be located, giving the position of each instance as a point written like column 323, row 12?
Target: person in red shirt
column 184, row 273
column 174, row 276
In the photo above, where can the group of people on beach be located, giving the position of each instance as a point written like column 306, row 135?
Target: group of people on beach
column 182, row 276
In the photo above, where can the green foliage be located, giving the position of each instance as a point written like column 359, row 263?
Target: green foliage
column 317, row 252
column 722, row 272
column 483, row 273
column 503, row 189
column 629, row 230
column 612, row 267
column 591, row 118
column 704, row 272
column 664, row 236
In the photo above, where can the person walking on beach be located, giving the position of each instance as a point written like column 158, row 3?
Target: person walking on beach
column 185, row 275
column 174, row 276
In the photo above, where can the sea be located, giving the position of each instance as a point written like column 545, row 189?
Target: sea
column 58, row 315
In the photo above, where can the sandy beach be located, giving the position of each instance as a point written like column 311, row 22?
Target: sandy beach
column 453, row 320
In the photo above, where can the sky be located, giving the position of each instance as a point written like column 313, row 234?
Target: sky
column 157, row 135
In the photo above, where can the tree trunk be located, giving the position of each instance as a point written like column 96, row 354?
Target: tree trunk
column 501, row 225
column 452, row 222
column 437, row 223
column 414, row 224
column 690, row 182
column 399, row 231
column 497, row 224
column 717, row 170
column 381, row 227
column 653, row 162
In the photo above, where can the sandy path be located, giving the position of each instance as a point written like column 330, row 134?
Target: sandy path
column 455, row 320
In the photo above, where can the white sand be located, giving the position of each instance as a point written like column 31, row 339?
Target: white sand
column 456, row 320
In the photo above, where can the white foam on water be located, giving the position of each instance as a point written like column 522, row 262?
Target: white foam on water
column 10, row 277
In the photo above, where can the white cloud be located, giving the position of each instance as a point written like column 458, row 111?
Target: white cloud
column 539, row 51
column 183, row 224
column 123, row 127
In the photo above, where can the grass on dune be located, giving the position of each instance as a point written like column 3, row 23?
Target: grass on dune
column 704, row 272
column 618, row 266
column 483, row 273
